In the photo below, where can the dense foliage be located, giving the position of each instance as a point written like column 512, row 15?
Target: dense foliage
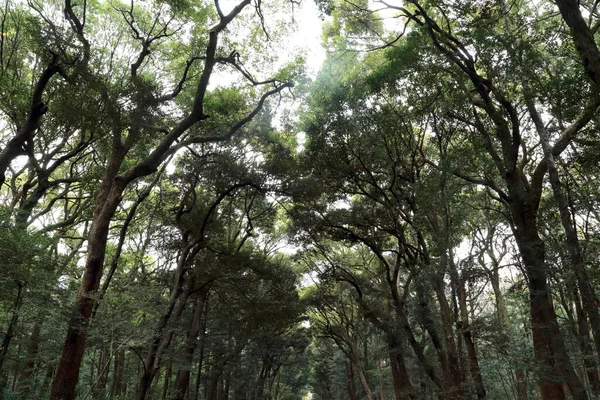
column 185, row 214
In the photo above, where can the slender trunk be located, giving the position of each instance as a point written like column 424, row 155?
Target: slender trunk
column 48, row 377
column 465, row 328
column 362, row 377
column 165, row 389
column 17, row 368
column 163, row 336
column 199, row 375
column 119, row 373
column 380, row 381
column 32, row 350
column 586, row 349
column 350, row 386
column 183, row 376
column 10, row 331
column 449, row 343
column 262, row 377
column 494, row 275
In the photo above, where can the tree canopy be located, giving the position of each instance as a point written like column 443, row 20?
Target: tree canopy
column 186, row 212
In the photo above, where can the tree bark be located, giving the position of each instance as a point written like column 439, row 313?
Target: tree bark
column 108, row 199
column 26, row 132
column 163, row 336
column 183, row 376
column 465, row 328
column 583, row 38
column 32, row 350
column 119, row 374
column 10, row 331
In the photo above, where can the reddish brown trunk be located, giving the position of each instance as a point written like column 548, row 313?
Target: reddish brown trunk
column 67, row 374
column 183, row 376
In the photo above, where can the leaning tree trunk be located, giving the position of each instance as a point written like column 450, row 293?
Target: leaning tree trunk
column 162, row 336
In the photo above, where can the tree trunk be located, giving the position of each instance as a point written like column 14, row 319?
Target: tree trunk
column 108, row 199
column 183, row 376
column 586, row 349
column 118, row 373
column 199, row 375
column 163, row 336
column 10, row 331
column 548, row 343
column 350, row 385
column 464, row 326
column 32, row 350
column 543, row 317
column 577, row 263
column 165, row 390
column 212, row 386
column 454, row 373
column 403, row 389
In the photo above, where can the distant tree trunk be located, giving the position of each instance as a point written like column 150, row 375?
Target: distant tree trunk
column 199, row 375
column 162, row 336
column 118, row 374
column 262, row 376
column 450, row 388
column 212, row 386
column 32, row 350
column 380, row 381
column 465, row 327
column 454, row 372
column 183, row 376
column 350, row 386
column 48, row 377
column 10, row 331
column 502, row 312
column 165, row 390
column 17, row 368
column 590, row 366
column 103, row 368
